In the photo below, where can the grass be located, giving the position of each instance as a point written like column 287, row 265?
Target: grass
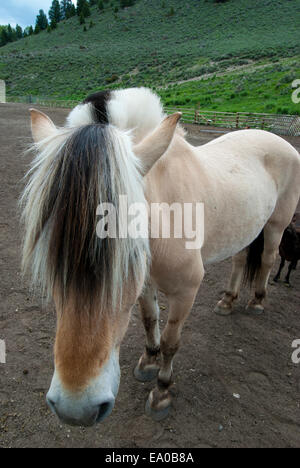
column 261, row 88
column 247, row 54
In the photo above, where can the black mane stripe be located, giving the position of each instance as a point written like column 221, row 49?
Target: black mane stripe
column 99, row 103
column 78, row 259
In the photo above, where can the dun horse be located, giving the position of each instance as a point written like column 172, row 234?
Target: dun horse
column 120, row 143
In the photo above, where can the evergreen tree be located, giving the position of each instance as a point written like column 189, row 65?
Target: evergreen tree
column 81, row 18
column 11, row 34
column 41, row 20
column 63, row 9
column 3, row 37
column 83, row 8
column 53, row 24
column 70, row 9
column 126, row 3
column 86, row 9
column 19, row 32
column 54, row 13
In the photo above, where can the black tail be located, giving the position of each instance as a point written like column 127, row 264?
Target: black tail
column 253, row 265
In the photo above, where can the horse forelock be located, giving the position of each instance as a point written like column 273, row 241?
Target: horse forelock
column 94, row 165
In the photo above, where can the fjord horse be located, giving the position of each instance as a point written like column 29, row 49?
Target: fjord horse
column 120, row 143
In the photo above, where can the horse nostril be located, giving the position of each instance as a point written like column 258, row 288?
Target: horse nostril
column 104, row 410
column 51, row 405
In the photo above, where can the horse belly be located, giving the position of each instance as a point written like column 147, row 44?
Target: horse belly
column 237, row 221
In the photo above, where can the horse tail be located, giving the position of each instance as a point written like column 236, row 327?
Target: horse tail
column 254, row 259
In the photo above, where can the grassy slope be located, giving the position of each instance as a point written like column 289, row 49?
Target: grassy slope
column 144, row 46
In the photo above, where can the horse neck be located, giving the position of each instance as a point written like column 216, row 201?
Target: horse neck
column 178, row 156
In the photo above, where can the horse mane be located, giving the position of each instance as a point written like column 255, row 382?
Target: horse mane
column 138, row 110
column 73, row 171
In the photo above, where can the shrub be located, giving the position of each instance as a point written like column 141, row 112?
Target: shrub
column 112, row 79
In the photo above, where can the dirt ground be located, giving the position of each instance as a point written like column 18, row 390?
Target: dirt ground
column 220, row 356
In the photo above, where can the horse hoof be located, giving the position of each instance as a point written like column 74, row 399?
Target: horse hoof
column 287, row 285
column 223, row 311
column 159, row 414
column 145, row 375
column 255, row 309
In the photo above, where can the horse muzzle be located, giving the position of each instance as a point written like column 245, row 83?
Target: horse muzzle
column 81, row 415
column 90, row 406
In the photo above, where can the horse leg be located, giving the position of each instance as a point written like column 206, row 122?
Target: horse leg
column 277, row 277
column 160, row 399
column 292, row 266
column 147, row 367
column 273, row 234
column 225, row 306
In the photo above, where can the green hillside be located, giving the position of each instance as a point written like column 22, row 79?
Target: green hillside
column 245, row 53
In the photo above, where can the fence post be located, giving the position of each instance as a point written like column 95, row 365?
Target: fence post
column 237, row 120
column 2, row 92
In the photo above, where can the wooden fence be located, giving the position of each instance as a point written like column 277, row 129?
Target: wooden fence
column 43, row 101
column 280, row 124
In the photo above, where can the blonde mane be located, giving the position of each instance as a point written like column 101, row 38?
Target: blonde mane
column 72, row 173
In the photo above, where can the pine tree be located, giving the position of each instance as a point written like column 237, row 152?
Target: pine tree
column 11, row 34
column 81, row 18
column 42, row 20
column 3, row 37
column 126, row 3
column 83, row 8
column 19, row 32
column 53, row 24
column 86, row 9
column 63, row 9
column 54, row 13
column 70, row 9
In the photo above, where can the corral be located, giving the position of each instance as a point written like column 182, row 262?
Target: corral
column 236, row 384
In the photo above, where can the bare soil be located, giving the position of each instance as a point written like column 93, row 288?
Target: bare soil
column 245, row 355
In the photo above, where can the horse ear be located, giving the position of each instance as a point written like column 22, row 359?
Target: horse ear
column 156, row 144
column 41, row 125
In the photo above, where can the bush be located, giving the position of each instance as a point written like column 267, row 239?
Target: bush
column 112, row 79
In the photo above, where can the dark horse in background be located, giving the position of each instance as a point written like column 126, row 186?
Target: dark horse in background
column 289, row 249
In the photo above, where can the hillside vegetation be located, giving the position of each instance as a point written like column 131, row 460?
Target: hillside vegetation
column 243, row 55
